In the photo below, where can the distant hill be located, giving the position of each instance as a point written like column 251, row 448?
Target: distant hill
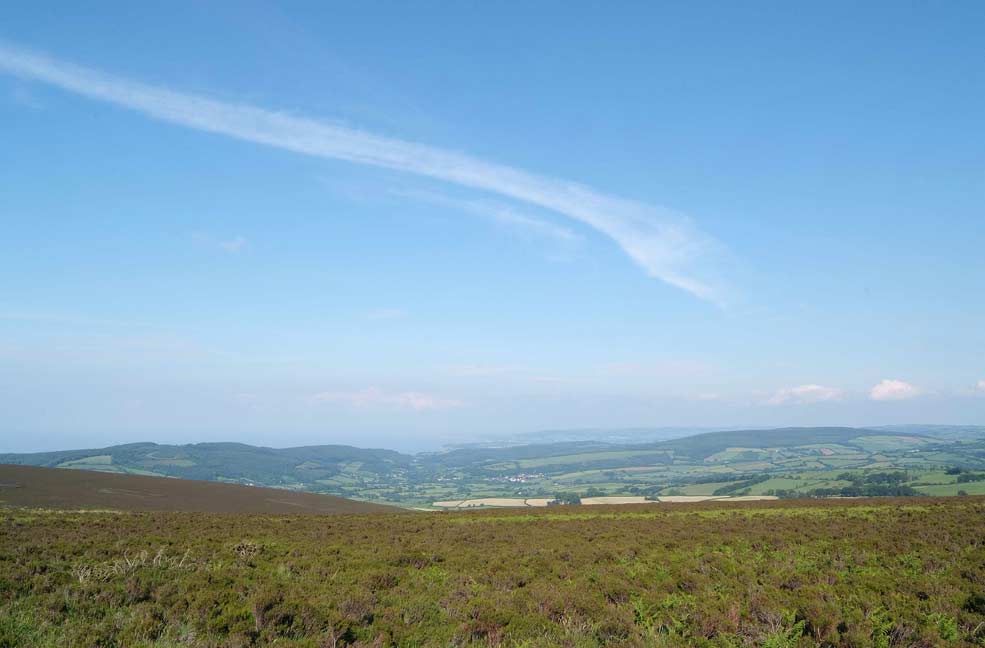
column 611, row 435
column 972, row 432
column 710, row 443
column 52, row 488
column 640, row 466
column 228, row 462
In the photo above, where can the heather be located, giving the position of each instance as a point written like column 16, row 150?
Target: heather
column 851, row 572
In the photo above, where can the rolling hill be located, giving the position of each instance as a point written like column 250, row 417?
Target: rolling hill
column 229, row 462
column 31, row 486
column 787, row 461
column 704, row 445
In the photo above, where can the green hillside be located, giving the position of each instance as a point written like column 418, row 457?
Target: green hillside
column 232, row 462
column 785, row 462
column 704, row 445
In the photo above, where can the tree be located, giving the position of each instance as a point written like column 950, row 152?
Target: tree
column 566, row 498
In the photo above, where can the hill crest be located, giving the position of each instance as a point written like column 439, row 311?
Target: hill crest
column 39, row 487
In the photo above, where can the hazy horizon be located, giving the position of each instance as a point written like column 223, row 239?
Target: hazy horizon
column 425, row 444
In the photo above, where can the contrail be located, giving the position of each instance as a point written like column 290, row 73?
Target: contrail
column 660, row 241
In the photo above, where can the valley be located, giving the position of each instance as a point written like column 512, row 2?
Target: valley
column 781, row 463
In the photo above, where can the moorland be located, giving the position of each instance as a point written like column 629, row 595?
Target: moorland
column 805, row 573
column 34, row 487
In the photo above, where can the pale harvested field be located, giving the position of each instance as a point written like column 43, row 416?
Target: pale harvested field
column 718, row 498
column 503, row 502
column 487, row 501
column 448, row 504
column 690, row 498
column 611, row 499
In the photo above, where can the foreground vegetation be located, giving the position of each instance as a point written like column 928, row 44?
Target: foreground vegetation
column 887, row 572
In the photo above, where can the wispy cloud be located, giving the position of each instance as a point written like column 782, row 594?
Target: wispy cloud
column 386, row 314
column 375, row 397
column 234, row 245
column 672, row 369
column 230, row 245
column 483, row 371
column 67, row 320
column 662, row 242
column 892, row 390
column 510, row 373
column 499, row 212
column 804, row 394
column 980, row 387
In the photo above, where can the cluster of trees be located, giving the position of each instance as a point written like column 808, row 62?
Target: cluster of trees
column 864, row 490
column 561, row 499
column 964, row 478
column 741, row 487
column 895, row 477
column 878, row 484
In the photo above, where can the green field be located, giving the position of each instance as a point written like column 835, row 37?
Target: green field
column 790, row 462
column 975, row 488
column 94, row 460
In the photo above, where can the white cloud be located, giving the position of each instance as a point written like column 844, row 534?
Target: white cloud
column 980, row 386
column 803, row 394
column 374, row 397
column 888, row 390
column 664, row 243
column 234, row 245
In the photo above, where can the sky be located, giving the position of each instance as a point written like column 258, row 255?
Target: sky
column 410, row 224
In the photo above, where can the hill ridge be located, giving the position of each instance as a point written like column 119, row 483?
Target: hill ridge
column 35, row 486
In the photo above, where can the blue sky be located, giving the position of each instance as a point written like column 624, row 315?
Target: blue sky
column 403, row 225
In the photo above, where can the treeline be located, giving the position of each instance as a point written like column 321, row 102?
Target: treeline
column 880, row 484
column 879, row 478
column 742, row 487
column 865, row 490
column 964, row 475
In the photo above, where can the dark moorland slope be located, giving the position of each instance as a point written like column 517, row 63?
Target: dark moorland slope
column 31, row 486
